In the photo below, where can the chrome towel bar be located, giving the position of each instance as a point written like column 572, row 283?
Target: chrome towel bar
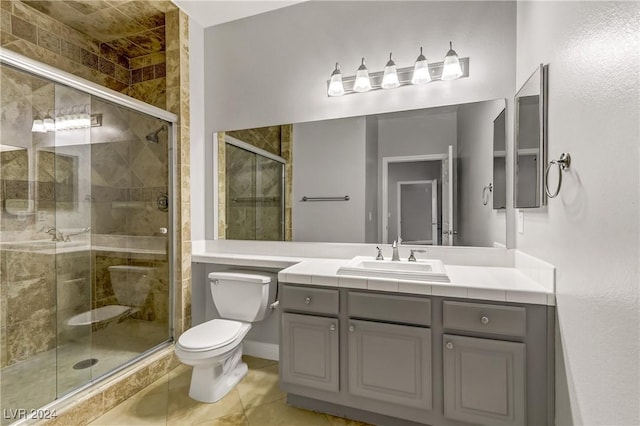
column 345, row 198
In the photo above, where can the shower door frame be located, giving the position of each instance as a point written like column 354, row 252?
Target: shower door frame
column 55, row 75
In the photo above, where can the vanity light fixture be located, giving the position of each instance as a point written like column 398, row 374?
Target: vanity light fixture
column 76, row 117
column 421, row 70
column 363, row 83
column 451, row 69
column 335, row 85
column 420, row 73
column 390, row 77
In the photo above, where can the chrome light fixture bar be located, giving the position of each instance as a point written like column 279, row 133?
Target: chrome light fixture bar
column 404, row 76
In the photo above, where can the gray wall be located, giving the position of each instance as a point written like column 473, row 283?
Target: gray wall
column 591, row 231
column 284, row 57
column 329, row 160
column 420, row 132
column 478, row 225
column 371, row 181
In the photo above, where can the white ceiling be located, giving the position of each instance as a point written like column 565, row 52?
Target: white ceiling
column 214, row 12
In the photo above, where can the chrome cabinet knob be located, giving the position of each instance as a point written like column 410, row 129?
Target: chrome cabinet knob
column 449, row 345
column 307, row 300
column 484, row 320
column 352, row 328
column 332, row 327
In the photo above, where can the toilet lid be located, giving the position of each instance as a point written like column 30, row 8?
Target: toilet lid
column 210, row 335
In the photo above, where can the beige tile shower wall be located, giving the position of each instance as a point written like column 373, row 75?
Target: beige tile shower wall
column 177, row 98
column 33, row 34
column 28, row 305
column 267, row 138
column 222, row 187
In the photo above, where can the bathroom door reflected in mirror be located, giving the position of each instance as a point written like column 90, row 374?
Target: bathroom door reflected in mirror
column 352, row 156
column 530, row 140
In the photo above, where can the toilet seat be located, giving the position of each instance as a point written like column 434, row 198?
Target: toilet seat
column 210, row 335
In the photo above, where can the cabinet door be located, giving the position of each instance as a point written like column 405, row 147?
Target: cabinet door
column 391, row 363
column 484, row 380
column 310, row 351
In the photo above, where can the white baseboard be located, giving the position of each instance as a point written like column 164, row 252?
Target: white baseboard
column 261, row 350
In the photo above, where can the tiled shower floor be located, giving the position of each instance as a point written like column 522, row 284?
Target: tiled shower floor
column 38, row 380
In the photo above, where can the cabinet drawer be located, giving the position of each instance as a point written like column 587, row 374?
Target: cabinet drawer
column 482, row 318
column 402, row 309
column 309, row 299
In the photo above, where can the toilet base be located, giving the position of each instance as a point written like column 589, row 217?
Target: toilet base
column 210, row 383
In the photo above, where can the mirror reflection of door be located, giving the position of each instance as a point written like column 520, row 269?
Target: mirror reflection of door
column 448, row 195
column 401, row 172
column 418, row 212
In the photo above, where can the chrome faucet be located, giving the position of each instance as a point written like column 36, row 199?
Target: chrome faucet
column 396, row 254
column 55, row 234
column 412, row 257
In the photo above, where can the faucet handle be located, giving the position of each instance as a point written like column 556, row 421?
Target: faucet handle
column 412, row 257
column 379, row 256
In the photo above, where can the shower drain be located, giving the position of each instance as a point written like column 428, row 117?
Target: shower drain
column 85, row 363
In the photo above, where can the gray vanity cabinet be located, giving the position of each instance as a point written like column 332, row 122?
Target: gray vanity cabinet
column 484, row 380
column 310, row 354
column 390, row 363
column 398, row 359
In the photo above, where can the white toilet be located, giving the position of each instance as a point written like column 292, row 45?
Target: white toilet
column 214, row 348
column 131, row 286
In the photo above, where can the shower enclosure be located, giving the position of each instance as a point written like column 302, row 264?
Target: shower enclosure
column 85, row 233
column 254, row 192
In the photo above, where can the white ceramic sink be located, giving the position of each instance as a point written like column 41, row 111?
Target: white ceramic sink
column 420, row 270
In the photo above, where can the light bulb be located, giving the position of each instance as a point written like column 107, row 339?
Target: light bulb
column 390, row 77
column 421, row 70
column 49, row 125
column 38, row 126
column 451, row 69
column 362, row 83
column 336, row 87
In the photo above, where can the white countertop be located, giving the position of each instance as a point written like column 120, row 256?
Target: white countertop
column 475, row 273
column 473, row 282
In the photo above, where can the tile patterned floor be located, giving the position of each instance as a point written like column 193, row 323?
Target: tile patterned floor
column 255, row 401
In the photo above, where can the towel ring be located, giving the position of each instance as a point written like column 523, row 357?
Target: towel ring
column 563, row 165
column 485, row 193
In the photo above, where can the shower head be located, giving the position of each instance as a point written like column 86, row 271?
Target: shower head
column 153, row 136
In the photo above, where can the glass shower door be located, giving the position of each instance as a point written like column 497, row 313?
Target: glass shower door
column 85, row 231
column 254, row 195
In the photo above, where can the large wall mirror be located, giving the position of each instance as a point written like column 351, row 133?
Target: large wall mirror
column 416, row 176
column 531, row 140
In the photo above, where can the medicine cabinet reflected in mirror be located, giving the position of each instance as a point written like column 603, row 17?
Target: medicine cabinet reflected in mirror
column 530, row 140
column 499, row 161
column 417, row 176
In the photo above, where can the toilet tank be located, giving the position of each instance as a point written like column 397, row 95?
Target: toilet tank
column 243, row 295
